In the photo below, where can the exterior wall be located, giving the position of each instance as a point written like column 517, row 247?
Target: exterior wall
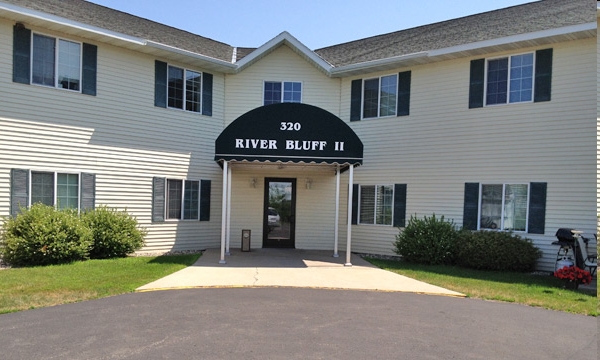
column 245, row 89
column 442, row 145
column 119, row 135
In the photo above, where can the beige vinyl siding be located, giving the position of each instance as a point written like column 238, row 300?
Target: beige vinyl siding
column 245, row 89
column 443, row 144
column 315, row 207
column 119, row 135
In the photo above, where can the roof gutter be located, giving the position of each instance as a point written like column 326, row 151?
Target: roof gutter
column 70, row 23
column 226, row 65
column 376, row 63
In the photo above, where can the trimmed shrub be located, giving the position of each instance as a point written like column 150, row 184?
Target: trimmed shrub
column 430, row 240
column 496, row 250
column 115, row 233
column 42, row 235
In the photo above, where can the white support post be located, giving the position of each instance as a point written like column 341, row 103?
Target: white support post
column 224, row 213
column 337, row 212
column 349, row 233
column 228, row 237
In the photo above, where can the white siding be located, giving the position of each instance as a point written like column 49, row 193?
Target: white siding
column 443, row 144
column 119, row 135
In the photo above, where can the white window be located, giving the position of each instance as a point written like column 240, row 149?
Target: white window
column 56, row 62
column 380, row 96
column 503, row 207
column 376, row 204
column 183, row 199
column 184, row 89
column 55, row 189
column 510, row 79
column 276, row 92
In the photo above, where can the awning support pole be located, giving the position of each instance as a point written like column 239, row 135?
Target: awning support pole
column 228, row 239
column 349, row 232
column 337, row 212
column 224, row 214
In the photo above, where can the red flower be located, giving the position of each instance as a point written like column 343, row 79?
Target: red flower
column 574, row 273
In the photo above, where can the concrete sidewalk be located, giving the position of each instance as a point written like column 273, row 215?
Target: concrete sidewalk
column 290, row 268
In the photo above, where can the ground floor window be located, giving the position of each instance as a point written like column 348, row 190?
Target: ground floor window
column 55, row 189
column 376, row 204
column 183, row 199
column 504, row 206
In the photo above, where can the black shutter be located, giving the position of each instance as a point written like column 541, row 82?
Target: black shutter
column 19, row 190
column 89, row 68
column 354, row 204
column 205, row 200
column 207, row 97
column 160, row 84
column 403, row 93
column 476, row 83
column 543, row 75
column 158, row 199
column 355, row 99
column 471, row 206
column 21, row 54
column 537, row 208
column 400, row 205
column 88, row 191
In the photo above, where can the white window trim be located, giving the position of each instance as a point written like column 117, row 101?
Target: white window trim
column 56, row 53
column 375, row 206
column 362, row 99
column 485, row 81
column 55, row 185
column 282, row 82
column 501, row 225
column 183, row 180
column 183, row 108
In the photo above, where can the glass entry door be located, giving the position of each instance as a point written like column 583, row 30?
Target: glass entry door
column 279, row 213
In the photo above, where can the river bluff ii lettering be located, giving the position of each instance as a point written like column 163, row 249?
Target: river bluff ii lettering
column 304, row 145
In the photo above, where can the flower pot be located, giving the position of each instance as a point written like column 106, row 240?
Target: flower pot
column 571, row 284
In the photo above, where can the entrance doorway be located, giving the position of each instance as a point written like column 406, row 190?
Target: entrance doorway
column 279, row 220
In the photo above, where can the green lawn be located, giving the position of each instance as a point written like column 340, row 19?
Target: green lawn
column 28, row 288
column 535, row 290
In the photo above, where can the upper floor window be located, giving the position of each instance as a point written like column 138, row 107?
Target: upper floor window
column 184, row 89
column 376, row 204
column 510, row 79
column 56, row 62
column 278, row 92
column 379, row 96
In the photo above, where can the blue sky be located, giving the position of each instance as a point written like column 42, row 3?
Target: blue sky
column 315, row 23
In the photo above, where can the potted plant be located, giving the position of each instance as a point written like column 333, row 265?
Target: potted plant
column 573, row 276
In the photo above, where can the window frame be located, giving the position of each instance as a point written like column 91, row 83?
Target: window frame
column 379, row 97
column 56, row 65
column 508, row 81
column 55, row 195
column 184, row 100
column 182, row 199
column 282, row 98
column 500, row 227
column 375, row 205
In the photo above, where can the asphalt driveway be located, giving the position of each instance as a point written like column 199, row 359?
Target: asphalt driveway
column 294, row 323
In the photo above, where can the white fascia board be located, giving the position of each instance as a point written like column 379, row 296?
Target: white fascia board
column 284, row 37
column 514, row 39
column 376, row 63
column 70, row 23
column 226, row 65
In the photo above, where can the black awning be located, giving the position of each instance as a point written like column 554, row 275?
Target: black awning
column 289, row 132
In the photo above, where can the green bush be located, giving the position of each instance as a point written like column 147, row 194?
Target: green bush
column 496, row 250
column 42, row 235
column 430, row 240
column 115, row 233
